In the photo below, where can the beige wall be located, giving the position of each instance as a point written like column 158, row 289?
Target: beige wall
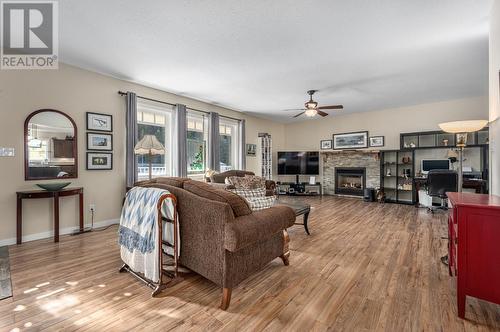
column 306, row 135
column 75, row 91
column 495, row 99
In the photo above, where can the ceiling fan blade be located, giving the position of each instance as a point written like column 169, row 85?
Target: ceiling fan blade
column 322, row 113
column 293, row 109
column 331, row 107
column 296, row 116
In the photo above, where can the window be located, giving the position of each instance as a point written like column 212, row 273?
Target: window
column 197, row 137
column 155, row 119
column 229, row 144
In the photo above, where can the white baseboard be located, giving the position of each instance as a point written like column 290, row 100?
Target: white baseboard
column 62, row 231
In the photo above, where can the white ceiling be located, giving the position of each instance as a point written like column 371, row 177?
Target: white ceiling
column 261, row 56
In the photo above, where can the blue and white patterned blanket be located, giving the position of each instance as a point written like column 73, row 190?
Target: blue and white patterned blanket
column 139, row 219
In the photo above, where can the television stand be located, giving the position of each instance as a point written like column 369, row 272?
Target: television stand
column 299, row 189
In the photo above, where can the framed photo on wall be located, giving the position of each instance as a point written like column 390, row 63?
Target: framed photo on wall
column 99, row 161
column 354, row 140
column 325, row 144
column 99, row 122
column 251, row 150
column 99, row 142
column 376, row 141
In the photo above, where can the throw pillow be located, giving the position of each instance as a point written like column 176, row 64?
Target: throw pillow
column 260, row 203
column 247, row 182
column 249, row 193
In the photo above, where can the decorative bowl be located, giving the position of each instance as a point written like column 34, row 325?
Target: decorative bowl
column 53, row 186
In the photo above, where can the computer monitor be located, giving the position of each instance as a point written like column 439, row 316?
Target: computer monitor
column 428, row 164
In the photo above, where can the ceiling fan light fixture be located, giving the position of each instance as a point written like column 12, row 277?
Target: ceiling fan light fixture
column 311, row 105
column 310, row 112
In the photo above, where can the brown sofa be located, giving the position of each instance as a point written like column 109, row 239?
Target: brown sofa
column 221, row 178
column 221, row 238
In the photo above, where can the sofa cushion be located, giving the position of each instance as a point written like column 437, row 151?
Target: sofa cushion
column 257, row 227
column 171, row 181
column 221, row 177
column 238, row 204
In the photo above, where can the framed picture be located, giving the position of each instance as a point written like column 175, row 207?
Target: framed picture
column 355, row 140
column 99, row 122
column 251, row 150
column 99, row 161
column 377, row 141
column 326, row 144
column 100, row 142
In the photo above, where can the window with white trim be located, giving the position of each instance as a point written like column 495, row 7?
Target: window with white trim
column 196, row 145
column 155, row 119
column 229, row 144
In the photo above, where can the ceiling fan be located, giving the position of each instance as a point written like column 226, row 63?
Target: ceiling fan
column 311, row 107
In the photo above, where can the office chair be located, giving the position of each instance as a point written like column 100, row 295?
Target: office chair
column 439, row 182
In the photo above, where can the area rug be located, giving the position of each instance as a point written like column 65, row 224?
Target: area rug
column 5, row 284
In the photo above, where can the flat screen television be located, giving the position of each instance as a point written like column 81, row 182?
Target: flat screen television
column 298, row 163
column 429, row 164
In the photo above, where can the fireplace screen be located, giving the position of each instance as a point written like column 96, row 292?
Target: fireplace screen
column 350, row 180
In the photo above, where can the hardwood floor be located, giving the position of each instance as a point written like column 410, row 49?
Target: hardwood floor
column 365, row 266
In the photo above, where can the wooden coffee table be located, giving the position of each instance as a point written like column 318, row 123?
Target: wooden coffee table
column 299, row 209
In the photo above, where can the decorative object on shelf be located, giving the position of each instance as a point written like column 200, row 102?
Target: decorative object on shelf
column 452, row 155
column 376, row 141
column 388, row 172
column 267, row 155
column 99, row 161
column 99, row 122
column 461, row 128
column 99, row 142
column 445, row 142
column 149, row 145
column 53, row 186
column 326, row 144
column 312, row 180
column 251, row 150
column 407, row 172
column 354, row 140
column 406, row 160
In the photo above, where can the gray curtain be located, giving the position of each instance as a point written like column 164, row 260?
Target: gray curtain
column 131, row 139
column 181, row 141
column 243, row 152
column 213, row 142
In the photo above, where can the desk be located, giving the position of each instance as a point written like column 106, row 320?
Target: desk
column 35, row 194
column 478, row 185
column 473, row 250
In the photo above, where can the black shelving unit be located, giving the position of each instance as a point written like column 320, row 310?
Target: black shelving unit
column 440, row 139
column 396, row 176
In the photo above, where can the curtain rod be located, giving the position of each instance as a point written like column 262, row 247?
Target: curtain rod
column 121, row 93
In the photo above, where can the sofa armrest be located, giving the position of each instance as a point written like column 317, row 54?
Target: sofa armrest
column 258, row 226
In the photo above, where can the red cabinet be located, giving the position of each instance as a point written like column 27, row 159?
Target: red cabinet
column 474, row 247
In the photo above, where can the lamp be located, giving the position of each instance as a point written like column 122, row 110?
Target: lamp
column 311, row 112
column 149, row 145
column 461, row 128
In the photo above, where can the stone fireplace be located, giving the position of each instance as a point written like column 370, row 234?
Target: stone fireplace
column 350, row 180
column 332, row 160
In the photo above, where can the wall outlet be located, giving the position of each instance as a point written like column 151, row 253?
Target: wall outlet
column 7, row 152
column 92, row 207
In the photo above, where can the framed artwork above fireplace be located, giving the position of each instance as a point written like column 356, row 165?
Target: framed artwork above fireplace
column 354, row 140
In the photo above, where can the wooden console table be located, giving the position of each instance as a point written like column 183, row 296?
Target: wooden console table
column 473, row 250
column 34, row 194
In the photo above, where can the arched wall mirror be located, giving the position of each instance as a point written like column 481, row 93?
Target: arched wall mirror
column 50, row 146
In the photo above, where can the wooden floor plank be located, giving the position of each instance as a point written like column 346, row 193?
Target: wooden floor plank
column 365, row 267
